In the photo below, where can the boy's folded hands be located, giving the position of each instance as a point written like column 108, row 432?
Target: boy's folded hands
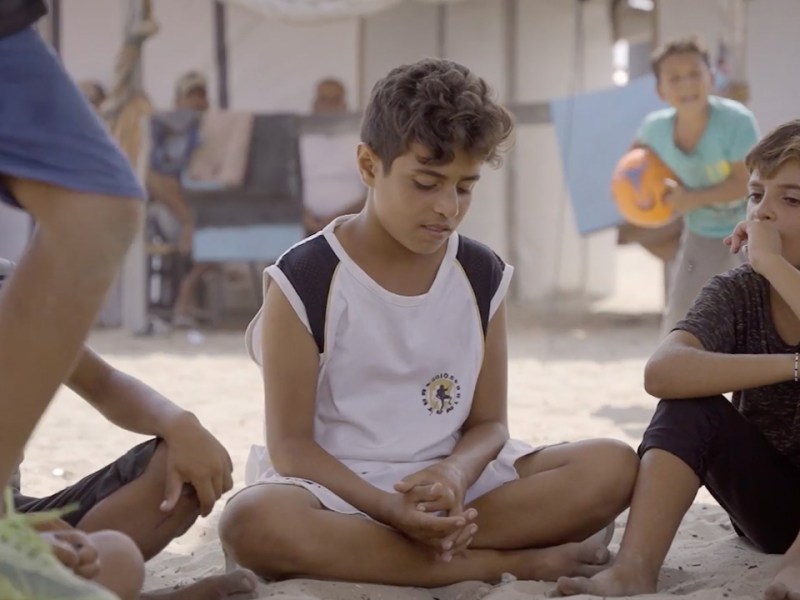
column 432, row 502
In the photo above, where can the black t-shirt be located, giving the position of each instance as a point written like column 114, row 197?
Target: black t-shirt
column 16, row 15
column 732, row 315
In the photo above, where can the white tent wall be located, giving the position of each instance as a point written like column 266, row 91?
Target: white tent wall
column 185, row 42
column 15, row 225
column 273, row 66
column 552, row 258
column 772, row 50
column 91, row 34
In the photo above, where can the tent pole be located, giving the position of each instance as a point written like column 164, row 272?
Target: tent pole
column 511, row 92
column 221, row 53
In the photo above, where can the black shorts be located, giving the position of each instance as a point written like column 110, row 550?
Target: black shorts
column 94, row 488
column 757, row 486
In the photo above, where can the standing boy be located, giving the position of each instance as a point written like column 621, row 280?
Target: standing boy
column 703, row 139
column 58, row 163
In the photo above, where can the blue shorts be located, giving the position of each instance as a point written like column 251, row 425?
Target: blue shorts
column 48, row 131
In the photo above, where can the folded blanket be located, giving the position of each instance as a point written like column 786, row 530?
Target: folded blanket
column 224, row 148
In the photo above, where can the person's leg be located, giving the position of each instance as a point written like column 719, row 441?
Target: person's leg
column 698, row 260
column 577, row 489
column 127, row 498
column 121, row 564
column 281, row 531
column 121, row 501
column 185, row 307
column 690, row 442
column 786, row 583
column 50, row 302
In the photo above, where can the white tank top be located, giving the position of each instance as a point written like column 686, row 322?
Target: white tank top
column 397, row 374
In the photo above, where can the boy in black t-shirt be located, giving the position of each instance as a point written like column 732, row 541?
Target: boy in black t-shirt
column 743, row 336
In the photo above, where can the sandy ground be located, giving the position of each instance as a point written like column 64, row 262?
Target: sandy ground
column 571, row 377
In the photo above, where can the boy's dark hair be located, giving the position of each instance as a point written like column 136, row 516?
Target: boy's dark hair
column 439, row 104
column 774, row 149
column 691, row 44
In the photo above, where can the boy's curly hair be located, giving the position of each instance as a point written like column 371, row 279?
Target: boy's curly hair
column 691, row 44
column 439, row 104
column 774, row 149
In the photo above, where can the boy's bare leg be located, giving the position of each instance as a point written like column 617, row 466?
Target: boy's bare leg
column 121, row 564
column 240, row 583
column 282, row 531
column 786, row 584
column 577, row 489
column 665, row 489
column 134, row 509
column 51, row 301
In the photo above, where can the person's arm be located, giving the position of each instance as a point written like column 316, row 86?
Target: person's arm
column 734, row 187
column 290, row 366
column 682, row 368
column 764, row 255
column 168, row 190
column 486, row 428
column 193, row 455
column 483, row 434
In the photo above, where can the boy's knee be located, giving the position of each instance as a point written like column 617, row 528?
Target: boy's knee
column 694, row 418
column 616, row 465
column 241, row 521
column 122, row 565
column 259, row 537
column 102, row 221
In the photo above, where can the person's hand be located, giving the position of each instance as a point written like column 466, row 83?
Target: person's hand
column 444, row 481
column 678, row 197
column 438, row 532
column 441, row 488
column 52, row 525
column 195, row 457
column 758, row 239
column 74, row 549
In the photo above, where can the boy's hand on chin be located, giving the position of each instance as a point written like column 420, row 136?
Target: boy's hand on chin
column 759, row 240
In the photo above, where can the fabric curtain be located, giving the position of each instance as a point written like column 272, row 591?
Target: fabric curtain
column 322, row 10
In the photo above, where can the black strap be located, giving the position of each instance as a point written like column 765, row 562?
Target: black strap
column 484, row 270
column 309, row 267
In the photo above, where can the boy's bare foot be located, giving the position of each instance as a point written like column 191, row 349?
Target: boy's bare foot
column 237, row 584
column 613, row 581
column 785, row 585
column 548, row 564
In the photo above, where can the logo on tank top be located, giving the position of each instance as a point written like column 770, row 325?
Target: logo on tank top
column 441, row 394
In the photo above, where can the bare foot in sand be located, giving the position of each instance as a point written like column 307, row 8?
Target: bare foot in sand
column 785, row 585
column 614, row 581
column 548, row 564
column 239, row 584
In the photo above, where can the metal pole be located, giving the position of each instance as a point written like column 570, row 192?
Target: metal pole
column 361, row 62
column 55, row 25
column 441, row 31
column 221, row 46
column 511, row 92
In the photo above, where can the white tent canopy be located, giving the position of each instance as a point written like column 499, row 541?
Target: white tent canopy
column 320, row 10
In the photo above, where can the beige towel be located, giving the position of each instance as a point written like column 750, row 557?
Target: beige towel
column 224, row 147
